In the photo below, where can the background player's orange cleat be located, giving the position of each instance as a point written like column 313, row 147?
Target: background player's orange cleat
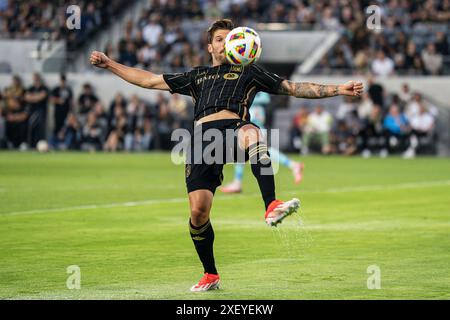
column 207, row 282
column 297, row 171
column 232, row 187
column 278, row 210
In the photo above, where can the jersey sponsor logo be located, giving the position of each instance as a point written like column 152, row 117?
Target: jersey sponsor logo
column 230, row 76
column 207, row 77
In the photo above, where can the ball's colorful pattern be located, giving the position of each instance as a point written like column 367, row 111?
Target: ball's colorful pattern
column 242, row 46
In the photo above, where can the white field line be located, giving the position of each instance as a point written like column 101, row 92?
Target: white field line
column 426, row 184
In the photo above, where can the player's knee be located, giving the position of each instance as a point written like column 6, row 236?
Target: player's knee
column 248, row 135
column 199, row 215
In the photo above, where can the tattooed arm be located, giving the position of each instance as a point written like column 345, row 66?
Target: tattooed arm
column 317, row 91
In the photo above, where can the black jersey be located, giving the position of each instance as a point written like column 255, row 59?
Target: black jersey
column 224, row 87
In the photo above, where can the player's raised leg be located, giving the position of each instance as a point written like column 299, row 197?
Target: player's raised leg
column 251, row 139
column 202, row 234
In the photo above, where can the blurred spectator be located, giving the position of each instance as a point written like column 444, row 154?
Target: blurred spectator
column 37, row 98
column 397, row 129
column 139, row 40
column 128, row 56
column 342, row 139
column 329, row 21
column 69, row 137
column 297, row 128
column 145, row 55
column 422, row 135
column 152, row 30
column 117, row 127
column 179, row 108
column 195, row 12
column 382, row 66
column 442, row 45
column 86, row 100
column 102, row 117
column 127, row 38
column 213, row 12
column 413, row 105
column 405, row 94
column 372, row 133
column 110, row 51
column 136, row 114
column 116, row 110
column 164, row 124
column 361, row 60
column 146, row 140
column 91, row 135
column 15, row 114
column 365, row 107
column 119, row 101
column 317, row 130
column 116, row 137
column 411, row 59
column 432, row 60
column 345, row 107
column 376, row 91
column 61, row 97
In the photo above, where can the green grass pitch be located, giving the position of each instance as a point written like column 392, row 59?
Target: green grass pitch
column 122, row 218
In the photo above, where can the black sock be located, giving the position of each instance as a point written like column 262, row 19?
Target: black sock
column 203, row 238
column 262, row 170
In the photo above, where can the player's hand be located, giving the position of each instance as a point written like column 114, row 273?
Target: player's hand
column 351, row 88
column 99, row 59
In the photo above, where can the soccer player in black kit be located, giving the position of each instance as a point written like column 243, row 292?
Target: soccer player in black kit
column 222, row 94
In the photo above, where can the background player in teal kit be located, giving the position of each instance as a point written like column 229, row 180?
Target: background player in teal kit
column 258, row 115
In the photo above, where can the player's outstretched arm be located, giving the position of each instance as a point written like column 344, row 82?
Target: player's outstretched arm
column 317, row 91
column 141, row 78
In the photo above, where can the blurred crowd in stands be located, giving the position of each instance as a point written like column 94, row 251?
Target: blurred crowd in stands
column 85, row 122
column 414, row 38
column 378, row 123
column 35, row 19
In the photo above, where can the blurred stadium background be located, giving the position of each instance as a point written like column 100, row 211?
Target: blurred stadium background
column 121, row 216
column 405, row 65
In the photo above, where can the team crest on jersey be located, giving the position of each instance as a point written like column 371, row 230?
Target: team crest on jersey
column 237, row 68
column 230, row 76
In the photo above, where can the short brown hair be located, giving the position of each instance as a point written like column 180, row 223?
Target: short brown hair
column 222, row 24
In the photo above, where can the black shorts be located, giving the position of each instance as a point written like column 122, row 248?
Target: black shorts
column 204, row 173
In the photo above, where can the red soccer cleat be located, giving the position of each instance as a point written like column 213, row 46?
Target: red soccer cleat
column 207, row 282
column 278, row 210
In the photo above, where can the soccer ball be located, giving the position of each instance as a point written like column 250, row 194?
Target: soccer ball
column 42, row 146
column 242, row 46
